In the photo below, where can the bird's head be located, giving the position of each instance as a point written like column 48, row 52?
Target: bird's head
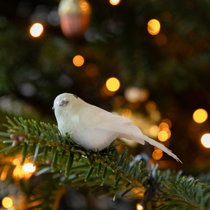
column 64, row 100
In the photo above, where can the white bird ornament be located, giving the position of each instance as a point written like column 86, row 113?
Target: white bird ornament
column 94, row 128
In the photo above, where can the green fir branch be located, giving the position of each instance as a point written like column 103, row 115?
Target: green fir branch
column 70, row 164
column 185, row 193
column 70, row 161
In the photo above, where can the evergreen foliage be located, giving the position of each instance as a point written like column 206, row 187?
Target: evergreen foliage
column 58, row 158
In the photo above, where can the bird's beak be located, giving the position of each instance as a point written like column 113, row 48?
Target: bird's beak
column 53, row 109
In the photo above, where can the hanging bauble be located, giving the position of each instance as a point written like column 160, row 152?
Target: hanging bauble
column 74, row 17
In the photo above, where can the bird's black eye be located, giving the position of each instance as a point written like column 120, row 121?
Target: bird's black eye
column 53, row 109
column 75, row 95
column 63, row 102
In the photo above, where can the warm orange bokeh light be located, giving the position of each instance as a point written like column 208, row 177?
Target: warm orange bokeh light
column 139, row 206
column 168, row 122
column 16, row 161
column 200, row 115
column 164, row 126
column 205, row 140
column 4, row 172
column 154, row 130
column 157, row 154
column 150, row 106
column 126, row 113
column 7, row 202
column 153, row 27
column 163, row 135
column 85, row 7
column 113, row 84
column 36, row 29
column 78, row 60
column 114, row 2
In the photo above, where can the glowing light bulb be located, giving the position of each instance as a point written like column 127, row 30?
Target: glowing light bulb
column 153, row 27
column 78, row 60
column 7, row 202
column 163, row 135
column 28, row 167
column 139, row 206
column 114, row 2
column 200, row 115
column 205, row 140
column 36, row 29
column 113, row 84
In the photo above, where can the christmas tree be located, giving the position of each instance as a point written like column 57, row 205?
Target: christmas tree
column 145, row 60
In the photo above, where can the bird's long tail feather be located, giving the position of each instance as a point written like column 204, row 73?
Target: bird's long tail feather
column 160, row 146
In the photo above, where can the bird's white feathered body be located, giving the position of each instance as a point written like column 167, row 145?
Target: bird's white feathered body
column 94, row 128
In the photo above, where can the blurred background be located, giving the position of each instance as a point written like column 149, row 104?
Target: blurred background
column 146, row 60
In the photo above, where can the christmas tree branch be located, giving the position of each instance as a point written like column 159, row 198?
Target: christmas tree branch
column 185, row 193
column 54, row 153
column 120, row 172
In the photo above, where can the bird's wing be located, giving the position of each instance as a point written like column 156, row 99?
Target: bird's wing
column 96, row 118
column 101, row 119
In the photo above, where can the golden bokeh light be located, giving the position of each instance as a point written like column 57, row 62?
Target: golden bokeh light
column 28, row 167
column 163, row 136
column 139, row 206
column 153, row 27
column 4, row 172
column 36, row 29
column 205, row 140
column 7, row 202
column 163, row 126
column 114, row 2
column 200, row 115
column 154, row 130
column 85, row 7
column 157, row 154
column 168, row 122
column 78, row 60
column 157, row 149
column 135, row 94
column 155, row 115
column 16, row 161
column 126, row 113
column 150, row 106
column 113, row 84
